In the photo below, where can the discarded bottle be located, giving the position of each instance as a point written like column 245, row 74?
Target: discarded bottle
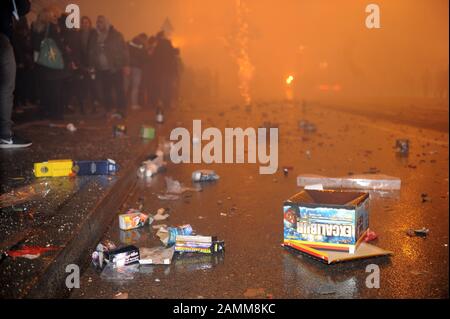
column 204, row 176
column 159, row 116
column 402, row 146
column 155, row 164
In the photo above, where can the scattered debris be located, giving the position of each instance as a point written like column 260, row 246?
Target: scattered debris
column 119, row 131
column 370, row 236
column 30, row 252
column 71, row 128
column 147, row 132
column 369, row 181
column 133, row 219
column 425, row 198
column 204, row 176
column 160, row 215
column 423, row 232
column 168, row 235
column 402, row 146
column 154, row 165
column 198, row 244
column 168, row 197
column 90, row 168
column 156, row 256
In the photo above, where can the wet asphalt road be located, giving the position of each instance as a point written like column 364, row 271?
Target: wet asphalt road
column 245, row 209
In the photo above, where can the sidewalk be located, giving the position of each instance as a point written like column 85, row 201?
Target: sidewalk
column 76, row 211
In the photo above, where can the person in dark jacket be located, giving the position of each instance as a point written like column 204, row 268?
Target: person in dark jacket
column 138, row 55
column 21, row 41
column 108, row 55
column 89, row 87
column 8, row 10
column 165, row 68
column 50, row 80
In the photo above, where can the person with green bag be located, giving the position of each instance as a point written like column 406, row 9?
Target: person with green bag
column 49, row 57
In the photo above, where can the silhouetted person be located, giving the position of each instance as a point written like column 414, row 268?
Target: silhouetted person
column 108, row 55
column 138, row 55
column 50, row 62
column 165, row 69
column 8, row 71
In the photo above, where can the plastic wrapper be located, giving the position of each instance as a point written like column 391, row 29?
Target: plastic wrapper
column 24, row 194
column 119, row 274
column 366, row 181
column 175, row 187
column 156, row 256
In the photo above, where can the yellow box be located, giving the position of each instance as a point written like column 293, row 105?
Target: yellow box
column 57, row 168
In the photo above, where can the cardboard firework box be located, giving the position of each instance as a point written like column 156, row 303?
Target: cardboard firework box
column 326, row 220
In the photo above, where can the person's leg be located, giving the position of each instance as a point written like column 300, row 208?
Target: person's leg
column 118, row 87
column 136, row 78
column 105, row 80
column 7, row 85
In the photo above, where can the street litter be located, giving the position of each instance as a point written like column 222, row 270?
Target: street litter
column 402, row 146
column 70, row 127
column 365, row 181
column 156, row 256
column 154, row 165
column 124, row 256
column 30, row 252
column 204, row 176
column 326, row 219
column 24, row 194
column 119, row 131
column 175, row 187
column 111, row 273
column 159, row 116
column 65, row 168
column 198, row 244
column 168, row 235
column 370, row 236
column 54, row 168
column 147, row 132
column 134, row 219
column 91, row 168
column 423, row 232
column 160, row 215
column 425, row 198
column 168, row 197
column 329, row 225
column 307, row 126
column 98, row 256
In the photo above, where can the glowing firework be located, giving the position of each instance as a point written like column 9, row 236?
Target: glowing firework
column 246, row 68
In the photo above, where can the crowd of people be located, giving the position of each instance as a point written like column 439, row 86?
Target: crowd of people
column 86, row 70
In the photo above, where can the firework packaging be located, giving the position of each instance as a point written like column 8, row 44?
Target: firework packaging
column 326, row 219
column 54, row 168
column 198, row 244
column 156, row 256
column 133, row 219
column 123, row 256
column 85, row 168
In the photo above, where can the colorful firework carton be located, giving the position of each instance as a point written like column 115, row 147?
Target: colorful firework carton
column 329, row 220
